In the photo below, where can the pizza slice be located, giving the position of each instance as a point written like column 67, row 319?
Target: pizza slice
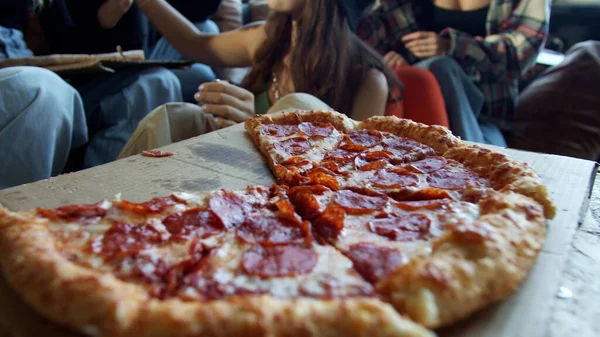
column 217, row 263
column 327, row 148
column 436, row 261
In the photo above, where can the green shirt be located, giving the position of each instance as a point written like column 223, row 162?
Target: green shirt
column 262, row 103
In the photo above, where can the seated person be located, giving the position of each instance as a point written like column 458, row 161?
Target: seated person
column 294, row 51
column 41, row 120
column 477, row 50
column 157, row 48
column 114, row 103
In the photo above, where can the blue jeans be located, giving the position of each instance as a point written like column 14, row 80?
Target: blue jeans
column 41, row 120
column 192, row 77
column 113, row 104
column 12, row 44
column 116, row 103
column 464, row 102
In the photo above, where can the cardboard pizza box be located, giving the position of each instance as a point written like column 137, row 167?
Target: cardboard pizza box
column 228, row 159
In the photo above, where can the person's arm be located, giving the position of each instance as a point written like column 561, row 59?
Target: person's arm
column 372, row 96
column 510, row 52
column 232, row 49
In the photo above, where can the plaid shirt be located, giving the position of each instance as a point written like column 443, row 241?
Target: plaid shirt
column 516, row 32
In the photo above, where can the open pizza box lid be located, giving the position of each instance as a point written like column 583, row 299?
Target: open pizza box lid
column 228, row 159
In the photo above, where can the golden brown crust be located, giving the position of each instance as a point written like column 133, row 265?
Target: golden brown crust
column 504, row 173
column 438, row 137
column 472, row 265
column 338, row 120
column 100, row 304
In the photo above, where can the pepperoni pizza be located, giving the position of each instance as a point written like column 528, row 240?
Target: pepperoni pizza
column 380, row 228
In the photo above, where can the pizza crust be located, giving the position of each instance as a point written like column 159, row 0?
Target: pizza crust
column 339, row 121
column 472, row 265
column 435, row 136
column 99, row 304
column 504, row 173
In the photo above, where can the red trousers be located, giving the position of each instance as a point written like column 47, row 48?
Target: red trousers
column 423, row 101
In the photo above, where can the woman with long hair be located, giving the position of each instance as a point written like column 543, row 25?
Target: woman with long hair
column 305, row 46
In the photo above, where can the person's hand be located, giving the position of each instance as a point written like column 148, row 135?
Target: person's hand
column 229, row 103
column 393, row 59
column 111, row 12
column 426, row 44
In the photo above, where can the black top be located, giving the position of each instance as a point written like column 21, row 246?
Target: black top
column 436, row 19
column 13, row 13
column 71, row 26
column 195, row 10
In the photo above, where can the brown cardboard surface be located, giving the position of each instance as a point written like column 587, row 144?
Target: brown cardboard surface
column 227, row 159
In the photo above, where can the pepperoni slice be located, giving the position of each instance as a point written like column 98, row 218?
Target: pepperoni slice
column 331, row 166
column 430, row 164
column 74, row 212
column 409, row 227
column 330, row 223
column 406, row 149
column 168, row 280
column 279, row 261
column 296, row 161
column 310, row 190
column 394, row 179
column 341, row 156
column 305, row 201
column 277, row 130
column 428, row 193
column 375, row 262
column 366, row 138
column 230, row 208
column 293, row 146
column 322, row 176
column 194, row 223
column 156, row 154
column 316, row 129
column 124, row 239
column 156, row 205
column 375, row 160
column 452, row 180
column 271, row 230
column 174, row 276
column 423, row 204
column 355, row 203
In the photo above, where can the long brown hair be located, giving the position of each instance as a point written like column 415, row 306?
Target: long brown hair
column 328, row 60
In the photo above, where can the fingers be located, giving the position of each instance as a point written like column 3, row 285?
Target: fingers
column 226, row 112
column 425, row 47
column 225, row 87
column 223, row 123
column 226, row 101
column 415, row 36
column 393, row 59
column 421, row 42
column 220, row 98
column 424, row 51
